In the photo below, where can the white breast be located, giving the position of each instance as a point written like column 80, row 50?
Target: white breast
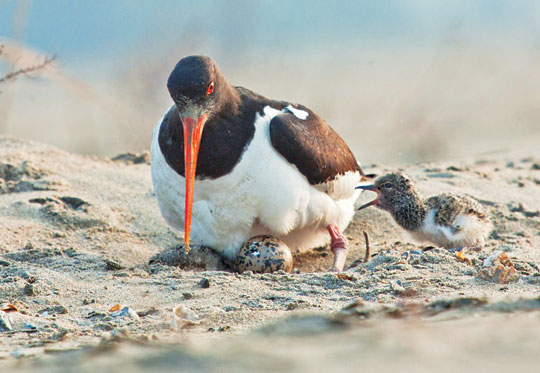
column 264, row 194
column 469, row 231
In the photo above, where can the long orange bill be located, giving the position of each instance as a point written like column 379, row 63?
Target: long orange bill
column 192, row 139
column 371, row 188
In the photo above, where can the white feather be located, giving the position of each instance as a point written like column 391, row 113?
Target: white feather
column 263, row 194
column 468, row 231
column 300, row 114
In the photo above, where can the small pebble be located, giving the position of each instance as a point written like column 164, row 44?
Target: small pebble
column 292, row 306
column 112, row 265
column 60, row 336
column 54, row 310
column 29, row 326
column 204, row 283
column 150, row 311
column 29, row 290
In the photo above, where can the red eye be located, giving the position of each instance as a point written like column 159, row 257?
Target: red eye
column 210, row 88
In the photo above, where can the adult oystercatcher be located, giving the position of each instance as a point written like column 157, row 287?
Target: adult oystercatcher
column 229, row 164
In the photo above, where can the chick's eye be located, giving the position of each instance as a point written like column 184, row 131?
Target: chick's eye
column 210, row 88
column 388, row 185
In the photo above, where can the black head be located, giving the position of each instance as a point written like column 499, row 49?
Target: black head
column 196, row 86
column 200, row 92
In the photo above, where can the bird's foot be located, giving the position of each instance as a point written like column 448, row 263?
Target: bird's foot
column 339, row 248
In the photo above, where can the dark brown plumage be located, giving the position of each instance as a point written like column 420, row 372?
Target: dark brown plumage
column 318, row 152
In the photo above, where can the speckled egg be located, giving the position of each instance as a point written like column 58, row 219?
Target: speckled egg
column 264, row 254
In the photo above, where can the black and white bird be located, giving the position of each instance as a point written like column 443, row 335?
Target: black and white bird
column 229, row 164
column 449, row 220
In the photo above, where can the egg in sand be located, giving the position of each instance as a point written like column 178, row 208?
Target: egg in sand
column 264, row 254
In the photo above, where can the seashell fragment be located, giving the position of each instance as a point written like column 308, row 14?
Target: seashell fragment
column 8, row 307
column 498, row 268
column 183, row 316
column 115, row 308
column 126, row 311
column 5, row 322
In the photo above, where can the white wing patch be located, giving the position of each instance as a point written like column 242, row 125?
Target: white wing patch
column 471, row 231
column 435, row 229
column 300, row 114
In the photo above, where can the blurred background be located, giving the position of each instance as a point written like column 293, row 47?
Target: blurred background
column 402, row 81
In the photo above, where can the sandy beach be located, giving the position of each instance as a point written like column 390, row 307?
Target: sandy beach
column 90, row 275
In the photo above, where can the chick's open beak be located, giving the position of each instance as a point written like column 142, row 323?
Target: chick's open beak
column 371, row 188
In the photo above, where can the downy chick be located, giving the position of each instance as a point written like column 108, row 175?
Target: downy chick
column 448, row 220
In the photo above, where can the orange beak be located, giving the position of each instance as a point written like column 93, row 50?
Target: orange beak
column 192, row 139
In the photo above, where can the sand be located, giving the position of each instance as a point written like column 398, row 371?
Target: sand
column 79, row 235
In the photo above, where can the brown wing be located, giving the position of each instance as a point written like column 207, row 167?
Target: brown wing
column 318, row 152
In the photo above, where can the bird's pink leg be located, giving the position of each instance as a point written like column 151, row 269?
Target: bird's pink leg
column 339, row 248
